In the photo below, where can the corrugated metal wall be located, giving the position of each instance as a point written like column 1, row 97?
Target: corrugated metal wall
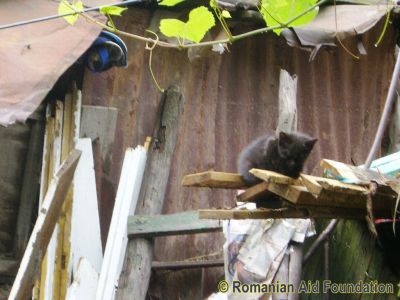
column 229, row 100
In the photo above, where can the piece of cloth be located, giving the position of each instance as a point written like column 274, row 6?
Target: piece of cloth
column 34, row 56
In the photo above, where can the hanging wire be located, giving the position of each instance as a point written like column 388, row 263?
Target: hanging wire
column 52, row 17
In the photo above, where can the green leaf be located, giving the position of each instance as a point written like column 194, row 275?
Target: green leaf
column 172, row 27
column 226, row 14
column 200, row 21
column 213, row 4
column 65, row 7
column 112, row 10
column 277, row 12
column 170, row 2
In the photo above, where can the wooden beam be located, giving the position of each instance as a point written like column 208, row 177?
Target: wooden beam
column 254, row 193
column 281, row 213
column 179, row 265
column 173, row 224
column 44, row 226
column 274, row 177
column 135, row 277
column 331, row 184
column 354, row 174
column 126, row 200
column 287, row 120
column 333, row 193
column 293, row 193
column 213, row 179
column 30, row 187
column 99, row 123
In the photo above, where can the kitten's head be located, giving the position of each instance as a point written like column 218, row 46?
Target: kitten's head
column 295, row 147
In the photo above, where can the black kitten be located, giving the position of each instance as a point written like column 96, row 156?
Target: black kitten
column 285, row 154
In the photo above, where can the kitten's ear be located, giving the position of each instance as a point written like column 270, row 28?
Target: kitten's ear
column 310, row 144
column 284, row 138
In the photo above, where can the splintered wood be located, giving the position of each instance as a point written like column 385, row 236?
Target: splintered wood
column 305, row 197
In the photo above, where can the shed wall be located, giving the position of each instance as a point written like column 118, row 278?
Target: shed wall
column 229, row 100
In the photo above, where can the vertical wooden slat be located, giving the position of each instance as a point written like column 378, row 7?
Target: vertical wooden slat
column 30, row 187
column 44, row 228
column 137, row 267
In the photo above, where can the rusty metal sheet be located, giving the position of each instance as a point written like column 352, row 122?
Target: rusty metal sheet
column 229, row 100
column 341, row 21
column 34, row 56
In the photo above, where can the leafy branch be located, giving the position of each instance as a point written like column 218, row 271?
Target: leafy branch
column 182, row 45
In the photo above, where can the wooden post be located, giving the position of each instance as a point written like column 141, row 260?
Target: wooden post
column 30, row 187
column 135, row 276
column 44, row 228
column 288, row 122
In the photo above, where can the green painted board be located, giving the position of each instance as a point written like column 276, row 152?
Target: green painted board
column 173, row 224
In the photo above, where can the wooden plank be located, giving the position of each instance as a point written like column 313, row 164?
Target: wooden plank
column 44, row 228
column 48, row 280
column 334, row 193
column 311, row 184
column 85, row 282
column 281, row 213
column 293, row 193
column 125, row 205
column 137, row 267
column 274, row 177
column 30, row 187
column 173, row 224
column 213, row 179
column 72, row 111
column 334, row 185
column 287, row 120
column 354, row 174
column 179, row 265
column 99, row 123
column 253, row 193
column 61, row 262
column 85, row 241
column 62, row 274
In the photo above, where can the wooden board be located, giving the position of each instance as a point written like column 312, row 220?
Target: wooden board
column 354, row 174
column 125, row 205
column 178, row 265
column 85, row 282
column 333, row 193
column 173, row 224
column 99, row 123
column 30, row 187
column 213, row 179
column 253, row 193
column 274, row 177
column 44, row 228
column 135, row 277
column 293, row 193
column 281, row 213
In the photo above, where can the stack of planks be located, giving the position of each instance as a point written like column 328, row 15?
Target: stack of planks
column 305, row 197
